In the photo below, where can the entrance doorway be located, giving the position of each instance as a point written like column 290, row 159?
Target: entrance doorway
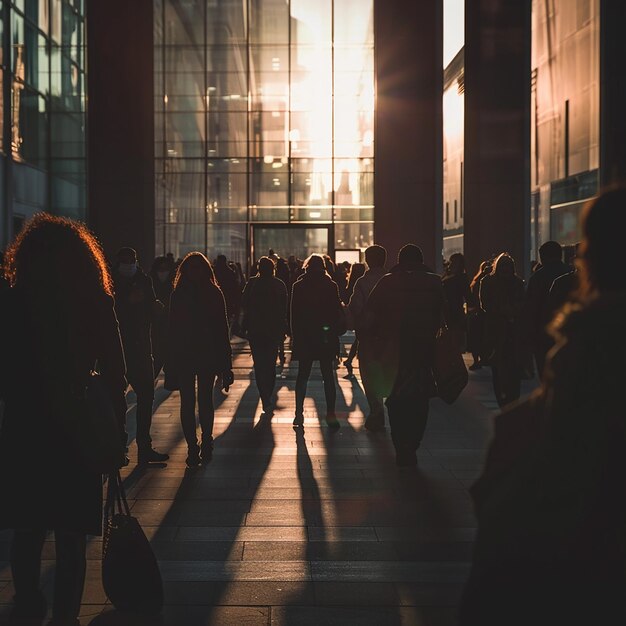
column 290, row 239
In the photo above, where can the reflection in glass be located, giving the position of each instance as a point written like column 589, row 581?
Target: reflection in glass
column 281, row 116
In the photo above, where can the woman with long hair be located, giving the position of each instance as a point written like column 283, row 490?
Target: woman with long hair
column 551, row 546
column 476, row 318
column 56, row 322
column 198, row 349
column 502, row 298
column 316, row 320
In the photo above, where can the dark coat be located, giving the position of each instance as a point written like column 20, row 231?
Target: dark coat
column 456, row 288
column 198, row 332
column 399, row 324
column 265, row 308
column 551, row 543
column 502, row 300
column 43, row 482
column 137, row 308
column 316, row 317
column 229, row 284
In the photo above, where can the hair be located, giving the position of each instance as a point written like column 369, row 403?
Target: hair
column 410, row 256
column 315, row 263
column 501, row 260
column 180, row 280
column 484, row 269
column 221, row 258
column 459, row 259
column 329, row 264
column 59, row 247
column 603, row 225
column 126, row 251
column 356, row 271
column 267, row 267
column 375, row 256
column 160, row 261
column 551, row 251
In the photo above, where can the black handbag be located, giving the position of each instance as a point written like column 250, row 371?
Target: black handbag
column 91, row 425
column 448, row 369
column 130, row 572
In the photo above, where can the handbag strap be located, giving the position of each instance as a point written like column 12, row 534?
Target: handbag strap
column 116, row 502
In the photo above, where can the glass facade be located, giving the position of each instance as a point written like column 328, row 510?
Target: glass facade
column 565, row 116
column 264, row 115
column 42, row 104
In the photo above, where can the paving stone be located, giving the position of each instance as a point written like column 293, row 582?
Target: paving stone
column 358, row 594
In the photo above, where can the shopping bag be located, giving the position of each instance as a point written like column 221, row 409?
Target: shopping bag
column 130, row 572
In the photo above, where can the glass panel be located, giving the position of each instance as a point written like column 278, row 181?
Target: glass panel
column 185, row 134
column 184, row 22
column 269, row 77
column 354, row 187
column 227, row 193
column 227, row 134
column 226, row 22
column 352, row 236
column 269, row 21
column 269, row 134
column 312, row 182
column 67, row 135
column 286, row 242
column 228, row 239
column 354, row 21
column 180, row 183
column 311, row 22
column 29, row 126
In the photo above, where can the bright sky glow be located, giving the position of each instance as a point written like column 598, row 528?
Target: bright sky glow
column 453, row 29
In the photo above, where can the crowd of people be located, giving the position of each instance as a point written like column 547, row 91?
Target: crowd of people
column 66, row 311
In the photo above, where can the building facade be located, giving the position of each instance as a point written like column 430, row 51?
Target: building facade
column 264, row 126
column 43, row 164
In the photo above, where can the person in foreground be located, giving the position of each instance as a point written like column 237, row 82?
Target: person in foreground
column 316, row 318
column 56, row 321
column 551, row 543
column 198, row 348
column 403, row 315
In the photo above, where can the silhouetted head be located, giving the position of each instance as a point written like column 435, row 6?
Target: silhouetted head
column 56, row 253
column 356, row 271
column 221, row 259
column 195, row 269
column 550, row 252
column 315, row 264
column 375, row 256
column 266, row 266
column 504, row 266
column 457, row 263
column 329, row 264
column 410, row 257
column 603, row 226
column 127, row 262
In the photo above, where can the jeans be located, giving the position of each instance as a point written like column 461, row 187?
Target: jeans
column 141, row 379
column 407, row 420
column 264, row 352
column 206, row 411
column 328, row 375
column 69, row 578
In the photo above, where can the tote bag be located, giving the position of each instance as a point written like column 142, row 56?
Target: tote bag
column 130, row 572
column 449, row 369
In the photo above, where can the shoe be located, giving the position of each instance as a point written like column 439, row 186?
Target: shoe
column 332, row 421
column 193, row 457
column 150, row 455
column 206, row 451
column 298, row 420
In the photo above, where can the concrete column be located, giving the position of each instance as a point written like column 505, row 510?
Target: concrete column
column 121, row 124
column 497, row 131
column 409, row 136
column 612, row 92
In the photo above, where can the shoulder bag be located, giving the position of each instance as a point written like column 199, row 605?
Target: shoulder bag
column 448, row 368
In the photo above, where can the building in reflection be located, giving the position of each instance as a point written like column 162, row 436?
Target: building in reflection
column 264, row 119
column 43, row 160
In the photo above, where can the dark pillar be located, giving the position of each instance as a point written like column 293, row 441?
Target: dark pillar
column 497, row 131
column 121, row 124
column 409, row 136
column 612, row 92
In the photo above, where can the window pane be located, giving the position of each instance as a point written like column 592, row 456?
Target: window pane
column 311, row 22
column 184, row 22
column 354, row 235
column 269, row 21
column 226, row 22
column 354, row 21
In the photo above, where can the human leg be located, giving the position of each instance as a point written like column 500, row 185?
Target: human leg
column 407, row 419
column 187, row 383
column 26, row 548
column 69, row 579
column 304, row 371
column 330, row 391
column 206, row 412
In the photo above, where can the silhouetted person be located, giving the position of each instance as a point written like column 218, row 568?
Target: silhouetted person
column 476, row 319
column 536, row 311
column 56, row 321
column 502, row 299
column 227, row 281
column 375, row 257
column 456, row 289
column 162, row 281
column 316, row 313
column 137, row 309
column 283, row 273
column 199, row 349
column 265, row 322
column 550, row 543
column 354, row 273
column 564, row 289
column 404, row 311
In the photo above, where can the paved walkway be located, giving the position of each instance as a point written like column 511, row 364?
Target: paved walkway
column 304, row 528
